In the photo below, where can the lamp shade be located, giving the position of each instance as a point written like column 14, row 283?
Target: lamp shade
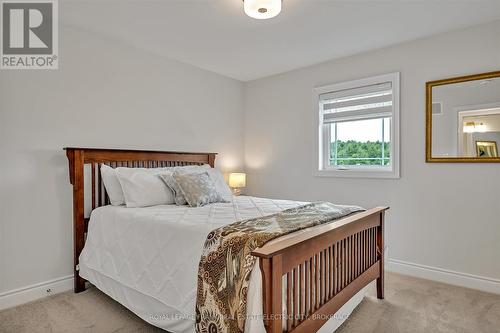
column 237, row 180
column 262, row 9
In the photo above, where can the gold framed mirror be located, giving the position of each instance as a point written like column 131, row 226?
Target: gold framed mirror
column 463, row 119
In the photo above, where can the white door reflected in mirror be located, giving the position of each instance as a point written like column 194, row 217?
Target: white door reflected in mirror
column 466, row 119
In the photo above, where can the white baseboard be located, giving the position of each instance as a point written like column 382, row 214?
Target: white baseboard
column 443, row 275
column 47, row 288
column 30, row 293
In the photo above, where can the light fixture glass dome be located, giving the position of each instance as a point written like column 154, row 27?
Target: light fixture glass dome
column 469, row 127
column 473, row 127
column 262, row 9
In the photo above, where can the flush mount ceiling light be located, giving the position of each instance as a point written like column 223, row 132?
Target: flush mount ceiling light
column 262, row 9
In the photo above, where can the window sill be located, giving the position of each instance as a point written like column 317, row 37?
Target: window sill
column 353, row 173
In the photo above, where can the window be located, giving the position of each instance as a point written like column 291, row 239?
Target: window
column 358, row 132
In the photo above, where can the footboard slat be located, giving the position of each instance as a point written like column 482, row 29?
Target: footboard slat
column 322, row 270
column 296, row 315
column 315, row 264
column 289, row 301
column 302, row 312
column 322, row 277
column 312, row 301
column 343, row 264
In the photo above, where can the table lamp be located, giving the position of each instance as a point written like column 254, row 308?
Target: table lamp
column 237, row 181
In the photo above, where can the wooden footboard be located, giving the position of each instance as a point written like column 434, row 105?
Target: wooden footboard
column 321, row 269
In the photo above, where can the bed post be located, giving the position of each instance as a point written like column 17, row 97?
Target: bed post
column 76, row 162
column 275, row 316
column 211, row 160
column 380, row 247
column 266, row 269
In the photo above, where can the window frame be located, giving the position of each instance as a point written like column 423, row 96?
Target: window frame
column 322, row 132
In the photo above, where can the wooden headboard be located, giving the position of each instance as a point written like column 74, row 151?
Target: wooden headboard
column 95, row 157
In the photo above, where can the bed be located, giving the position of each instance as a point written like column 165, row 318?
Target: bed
column 306, row 281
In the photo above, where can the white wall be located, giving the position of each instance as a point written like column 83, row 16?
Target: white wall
column 441, row 215
column 105, row 94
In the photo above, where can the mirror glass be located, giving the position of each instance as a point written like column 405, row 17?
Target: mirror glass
column 466, row 119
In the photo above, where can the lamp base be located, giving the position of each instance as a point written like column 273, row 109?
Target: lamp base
column 236, row 191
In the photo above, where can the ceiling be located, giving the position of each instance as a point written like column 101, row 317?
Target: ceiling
column 216, row 35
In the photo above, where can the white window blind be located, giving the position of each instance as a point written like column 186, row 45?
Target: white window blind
column 358, row 128
column 369, row 102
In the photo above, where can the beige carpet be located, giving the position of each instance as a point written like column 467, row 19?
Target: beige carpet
column 411, row 305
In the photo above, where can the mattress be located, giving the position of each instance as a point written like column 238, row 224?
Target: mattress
column 147, row 259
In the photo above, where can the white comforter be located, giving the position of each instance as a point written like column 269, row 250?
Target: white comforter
column 147, row 258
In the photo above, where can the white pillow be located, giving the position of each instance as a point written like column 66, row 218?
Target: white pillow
column 112, row 184
column 142, row 187
column 191, row 168
column 220, row 184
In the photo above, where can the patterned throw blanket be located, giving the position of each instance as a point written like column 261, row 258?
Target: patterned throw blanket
column 226, row 262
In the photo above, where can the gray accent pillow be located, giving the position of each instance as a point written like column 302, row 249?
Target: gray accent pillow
column 169, row 180
column 198, row 188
